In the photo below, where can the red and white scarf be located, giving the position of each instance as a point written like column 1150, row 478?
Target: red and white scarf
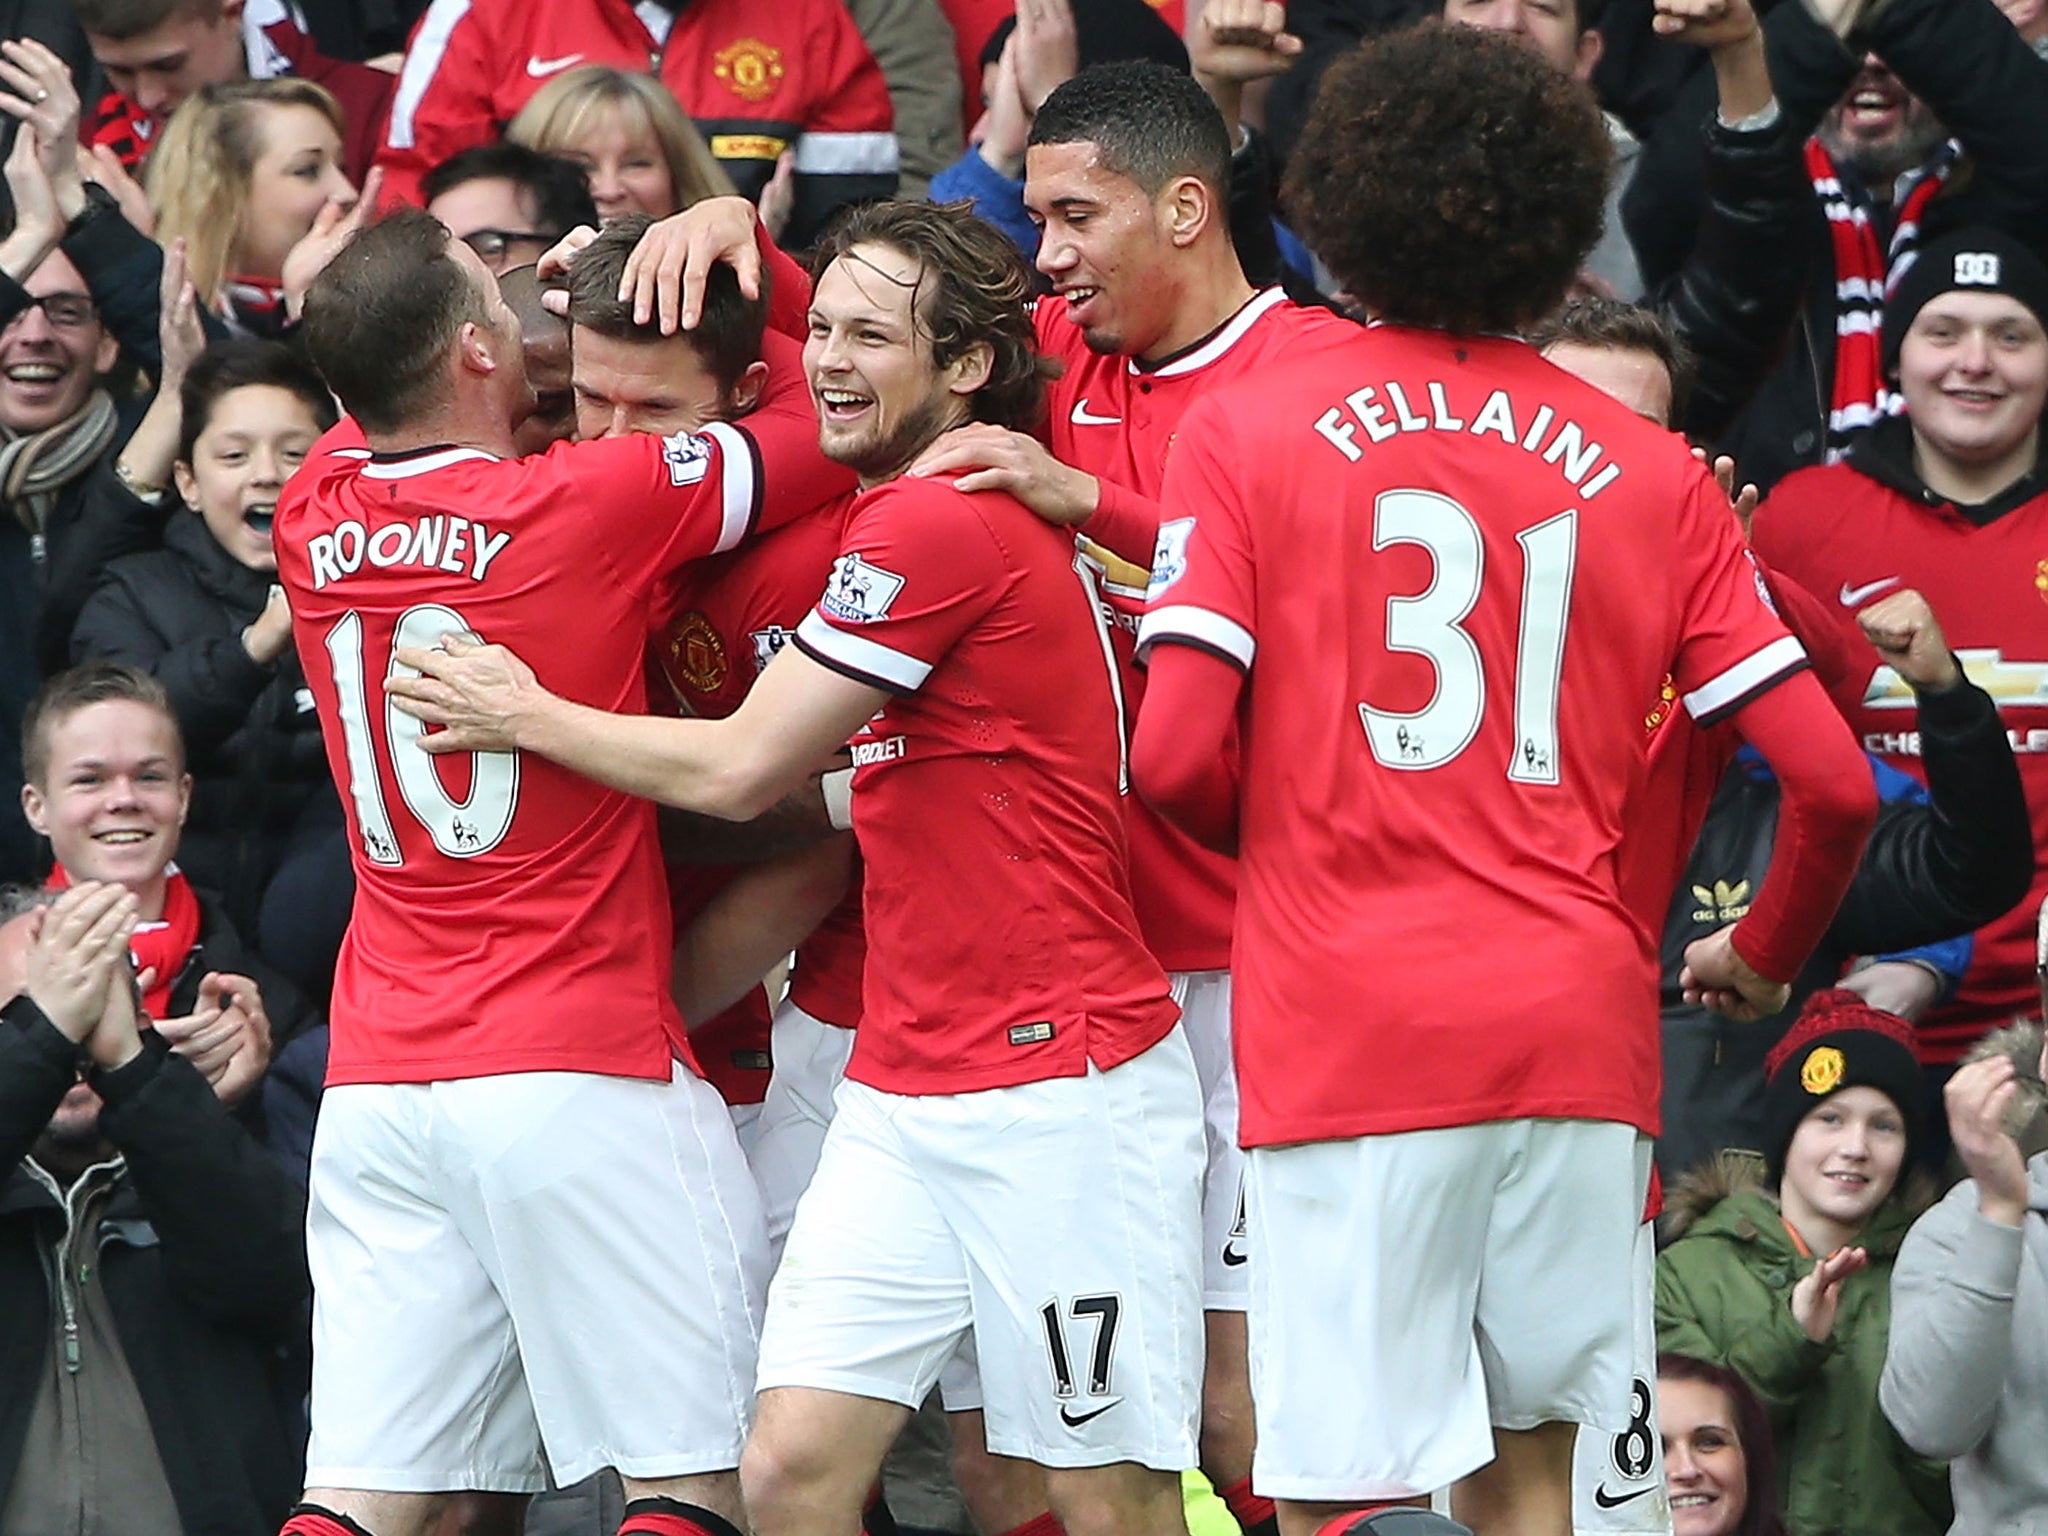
column 161, row 946
column 1865, row 275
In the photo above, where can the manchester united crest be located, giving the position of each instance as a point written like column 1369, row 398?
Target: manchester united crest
column 750, row 68
column 2041, row 579
column 696, row 655
column 1821, row 1072
column 1667, row 695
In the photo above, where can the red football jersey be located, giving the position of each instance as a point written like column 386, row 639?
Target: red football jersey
column 1453, row 573
column 987, row 798
column 1853, row 540
column 1116, row 419
column 509, row 915
column 735, row 611
column 1687, row 763
column 756, row 79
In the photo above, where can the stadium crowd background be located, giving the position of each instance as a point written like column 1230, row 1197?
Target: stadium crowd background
column 180, row 171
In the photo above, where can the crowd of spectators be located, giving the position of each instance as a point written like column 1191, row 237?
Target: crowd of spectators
column 1825, row 261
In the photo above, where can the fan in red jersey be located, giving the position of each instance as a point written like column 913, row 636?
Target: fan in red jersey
column 758, row 80
column 506, row 1121
column 1017, row 1149
column 1426, row 579
column 1949, row 500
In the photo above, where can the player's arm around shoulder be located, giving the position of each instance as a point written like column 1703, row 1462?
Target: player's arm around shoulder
column 486, row 699
column 1198, row 641
column 648, row 503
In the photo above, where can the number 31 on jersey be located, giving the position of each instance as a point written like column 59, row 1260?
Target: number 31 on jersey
column 1431, row 624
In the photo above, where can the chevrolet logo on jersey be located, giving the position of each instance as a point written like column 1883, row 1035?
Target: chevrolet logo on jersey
column 2012, row 683
column 1118, row 575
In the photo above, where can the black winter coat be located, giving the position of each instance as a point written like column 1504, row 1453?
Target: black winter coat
column 1729, row 299
column 91, row 525
column 202, row 1255
column 1986, row 86
column 251, row 737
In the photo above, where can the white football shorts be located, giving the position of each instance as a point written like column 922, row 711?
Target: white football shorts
column 1618, row 1478
column 1059, row 1222
column 810, row 1063
column 544, row 1262
column 1412, row 1291
column 1204, row 998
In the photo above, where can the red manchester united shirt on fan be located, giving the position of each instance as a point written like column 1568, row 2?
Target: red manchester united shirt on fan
column 987, row 798
column 1848, row 535
column 1116, row 418
column 758, row 78
column 1453, row 574
column 509, row 914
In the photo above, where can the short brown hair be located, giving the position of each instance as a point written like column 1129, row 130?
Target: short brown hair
column 975, row 288
column 1613, row 325
column 728, row 334
column 1449, row 177
column 123, row 19
column 96, row 682
column 380, row 318
column 1147, row 122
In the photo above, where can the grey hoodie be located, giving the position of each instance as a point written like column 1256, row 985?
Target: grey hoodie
column 1966, row 1376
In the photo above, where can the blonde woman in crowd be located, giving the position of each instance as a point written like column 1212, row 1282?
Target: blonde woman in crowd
column 627, row 132
column 241, row 174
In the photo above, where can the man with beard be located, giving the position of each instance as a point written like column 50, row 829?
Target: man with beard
column 1016, row 1153
column 1926, row 117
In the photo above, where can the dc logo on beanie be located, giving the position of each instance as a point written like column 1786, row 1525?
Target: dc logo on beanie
column 1977, row 269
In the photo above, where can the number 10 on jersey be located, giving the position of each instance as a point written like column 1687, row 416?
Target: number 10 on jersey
column 461, row 829
column 1431, row 624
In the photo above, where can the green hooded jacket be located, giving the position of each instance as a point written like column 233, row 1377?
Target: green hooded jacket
column 1724, row 1294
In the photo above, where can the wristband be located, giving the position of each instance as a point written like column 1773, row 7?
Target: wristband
column 838, row 790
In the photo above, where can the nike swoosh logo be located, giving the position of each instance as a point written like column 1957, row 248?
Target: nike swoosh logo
column 540, row 69
column 1083, row 417
column 1853, row 596
column 1608, row 1500
column 1075, row 1420
column 1234, row 1255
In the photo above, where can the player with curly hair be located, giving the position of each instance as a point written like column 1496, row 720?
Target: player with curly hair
column 1407, row 596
